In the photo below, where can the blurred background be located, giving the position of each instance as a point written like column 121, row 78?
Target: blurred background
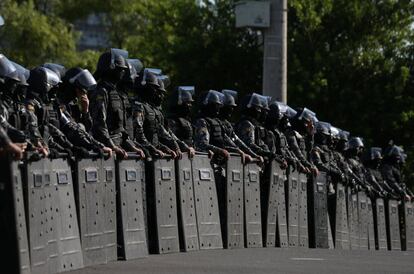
column 351, row 61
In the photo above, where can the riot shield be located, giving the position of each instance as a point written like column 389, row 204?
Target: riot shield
column 109, row 205
column 233, row 232
column 282, row 238
column 380, row 224
column 318, row 212
column 89, row 197
column 38, row 211
column 363, row 220
column 132, row 239
column 13, row 233
column 276, row 228
column 20, row 217
column 162, row 207
column 409, row 225
column 252, row 209
column 207, row 211
column 370, row 223
column 293, row 208
column 64, row 219
column 186, row 205
column 393, row 232
column 341, row 219
column 303, row 210
column 353, row 220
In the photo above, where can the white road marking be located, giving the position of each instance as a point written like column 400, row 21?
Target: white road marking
column 307, row 259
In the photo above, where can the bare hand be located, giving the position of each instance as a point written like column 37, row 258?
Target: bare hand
column 191, row 152
column 159, row 154
column 172, row 154
column 225, row 154
column 120, row 152
column 84, row 103
column 315, row 171
column 15, row 150
column 43, row 150
column 140, row 152
column 179, row 154
column 107, row 150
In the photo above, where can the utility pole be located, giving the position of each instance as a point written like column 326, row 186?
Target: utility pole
column 275, row 52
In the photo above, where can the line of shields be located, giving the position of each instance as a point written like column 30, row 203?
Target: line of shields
column 59, row 215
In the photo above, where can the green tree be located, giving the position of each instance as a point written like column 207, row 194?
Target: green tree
column 349, row 61
column 34, row 35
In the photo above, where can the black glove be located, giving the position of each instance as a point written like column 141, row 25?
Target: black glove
column 69, row 152
column 34, row 156
column 99, row 151
column 53, row 153
column 80, row 152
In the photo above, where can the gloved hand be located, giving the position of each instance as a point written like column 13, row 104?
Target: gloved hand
column 53, row 153
column 35, row 156
column 69, row 152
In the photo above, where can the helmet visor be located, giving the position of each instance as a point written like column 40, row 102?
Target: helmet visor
column 185, row 94
column 137, row 64
column 115, row 60
column 155, row 71
column 6, row 67
column 84, row 80
column 51, row 77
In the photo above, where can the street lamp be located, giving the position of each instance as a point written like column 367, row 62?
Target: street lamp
column 271, row 17
column 1, row 21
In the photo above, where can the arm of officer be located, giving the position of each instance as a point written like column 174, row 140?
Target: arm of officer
column 245, row 130
column 202, row 137
column 138, row 125
column 98, row 109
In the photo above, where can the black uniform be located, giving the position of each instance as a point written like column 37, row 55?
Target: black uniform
column 182, row 128
column 149, row 129
column 108, row 111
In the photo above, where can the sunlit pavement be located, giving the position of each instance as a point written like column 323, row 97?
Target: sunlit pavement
column 265, row 260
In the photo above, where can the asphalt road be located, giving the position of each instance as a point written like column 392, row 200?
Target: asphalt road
column 265, row 260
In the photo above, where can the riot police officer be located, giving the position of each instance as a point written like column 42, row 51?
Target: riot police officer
column 229, row 97
column 148, row 120
column 9, row 81
column 266, row 134
column 296, row 139
column 322, row 155
column 108, row 107
column 356, row 170
column 209, row 133
column 277, row 122
column 14, row 96
column 372, row 161
column 249, row 128
column 76, row 83
column 46, row 118
column 180, row 120
column 73, row 94
column 393, row 160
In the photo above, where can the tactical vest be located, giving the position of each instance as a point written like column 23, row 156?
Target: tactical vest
column 14, row 114
column 185, row 130
column 260, row 133
column 115, row 113
column 127, row 114
column 301, row 143
column 216, row 132
column 150, row 124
